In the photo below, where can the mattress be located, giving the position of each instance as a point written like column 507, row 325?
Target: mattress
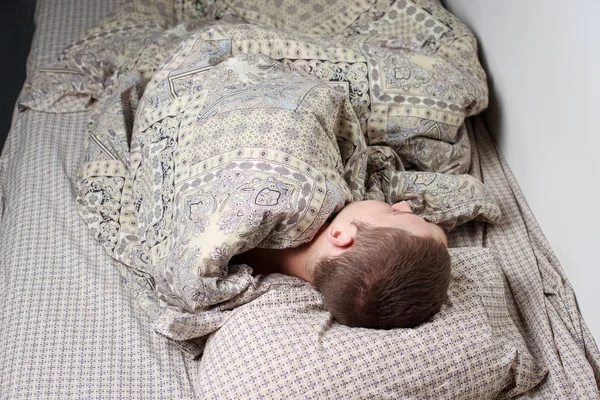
column 71, row 329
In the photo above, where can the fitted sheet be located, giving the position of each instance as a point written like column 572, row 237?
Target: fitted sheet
column 67, row 319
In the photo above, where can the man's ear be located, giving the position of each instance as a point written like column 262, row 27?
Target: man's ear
column 341, row 238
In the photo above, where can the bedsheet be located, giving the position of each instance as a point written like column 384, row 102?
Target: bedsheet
column 72, row 328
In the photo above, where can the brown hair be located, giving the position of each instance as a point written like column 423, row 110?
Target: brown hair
column 390, row 278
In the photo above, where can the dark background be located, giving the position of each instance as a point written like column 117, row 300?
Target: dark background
column 16, row 22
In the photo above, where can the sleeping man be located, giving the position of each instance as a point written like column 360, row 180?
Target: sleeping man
column 376, row 265
column 239, row 166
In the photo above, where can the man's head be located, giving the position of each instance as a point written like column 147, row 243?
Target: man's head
column 381, row 266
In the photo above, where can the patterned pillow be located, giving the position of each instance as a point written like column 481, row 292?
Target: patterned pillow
column 285, row 345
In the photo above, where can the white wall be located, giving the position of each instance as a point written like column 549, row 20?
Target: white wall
column 543, row 64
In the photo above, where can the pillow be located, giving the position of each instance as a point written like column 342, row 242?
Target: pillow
column 285, row 345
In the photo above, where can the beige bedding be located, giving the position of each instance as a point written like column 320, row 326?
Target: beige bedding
column 512, row 326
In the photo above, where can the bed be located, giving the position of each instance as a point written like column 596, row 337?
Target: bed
column 73, row 327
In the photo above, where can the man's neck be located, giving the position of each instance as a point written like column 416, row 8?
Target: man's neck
column 296, row 261
column 292, row 261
